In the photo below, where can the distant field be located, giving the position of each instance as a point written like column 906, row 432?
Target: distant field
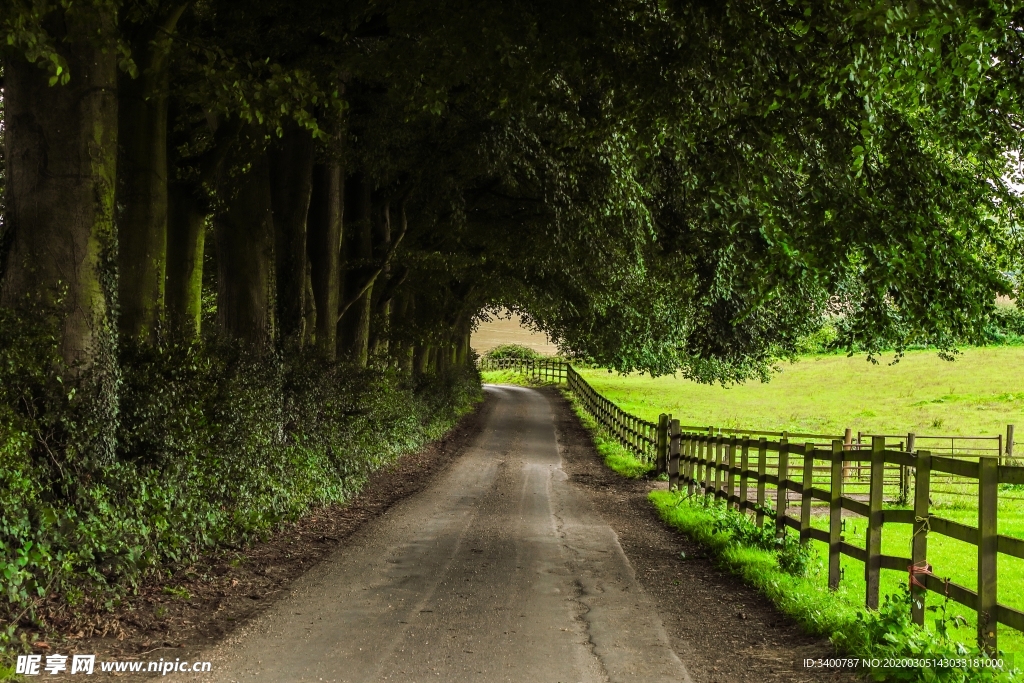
column 498, row 332
column 977, row 394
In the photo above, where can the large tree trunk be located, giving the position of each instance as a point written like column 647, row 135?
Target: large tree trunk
column 355, row 324
column 291, row 168
column 325, row 233
column 245, row 259
column 186, row 242
column 142, row 183
column 61, row 153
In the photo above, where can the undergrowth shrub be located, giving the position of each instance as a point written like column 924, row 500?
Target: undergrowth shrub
column 792, row 556
column 512, row 351
column 889, row 633
column 211, row 445
column 1005, row 326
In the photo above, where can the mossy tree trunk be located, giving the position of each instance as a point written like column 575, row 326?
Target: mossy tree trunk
column 186, row 242
column 245, row 258
column 462, row 346
column 291, row 171
column 324, row 246
column 142, row 181
column 61, row 155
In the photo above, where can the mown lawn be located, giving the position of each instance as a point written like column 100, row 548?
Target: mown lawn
column 977, row 394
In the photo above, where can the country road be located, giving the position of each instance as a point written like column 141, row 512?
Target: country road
column 499, row 571
column 524, row 559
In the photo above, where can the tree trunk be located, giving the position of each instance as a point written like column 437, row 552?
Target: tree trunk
column 61, row 153
column 422, row 359
column 245, row 259
column 291, row 168
column 142, row 183
column 462, row 349
column 382, row 302
column 186, row 242
column 325, row 233
column 309, row 314
column 355, row 324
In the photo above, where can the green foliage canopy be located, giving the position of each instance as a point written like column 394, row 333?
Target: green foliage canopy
column 658, row 185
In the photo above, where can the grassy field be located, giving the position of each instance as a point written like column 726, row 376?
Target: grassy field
column 977, row 394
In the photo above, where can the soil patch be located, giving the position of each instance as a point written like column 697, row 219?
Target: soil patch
column 723, row 630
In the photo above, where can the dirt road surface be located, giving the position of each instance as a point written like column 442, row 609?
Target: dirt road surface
column 506, row 568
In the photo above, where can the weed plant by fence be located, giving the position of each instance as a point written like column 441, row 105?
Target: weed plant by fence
column 768, row 474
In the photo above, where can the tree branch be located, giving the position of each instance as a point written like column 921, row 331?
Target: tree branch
column 404, row 225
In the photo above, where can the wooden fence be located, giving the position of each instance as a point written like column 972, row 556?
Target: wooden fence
column 643, row 439
column 727, row 467
column 757, row 475
column 538, row 369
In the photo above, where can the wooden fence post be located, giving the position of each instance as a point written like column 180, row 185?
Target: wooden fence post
column 919, row 545
column 673, row 456
column 835, row 513
column 762, row 468
column 691, row 443
column 988, row 539
column 781, row 495
column 805, row 493
column 905, row 470
column 660, row 461
column 744, row 477
column 730, row 480
column 697, row 453
column 1009, row 444
column 847, row 446
column 711, row 472
column 873, row 566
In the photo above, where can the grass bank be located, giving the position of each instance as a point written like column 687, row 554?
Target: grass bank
column 617, row 458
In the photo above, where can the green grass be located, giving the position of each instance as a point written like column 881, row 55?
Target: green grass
column 819, row 610
column 512, row 377
column 949, row 557
column 977, row 394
